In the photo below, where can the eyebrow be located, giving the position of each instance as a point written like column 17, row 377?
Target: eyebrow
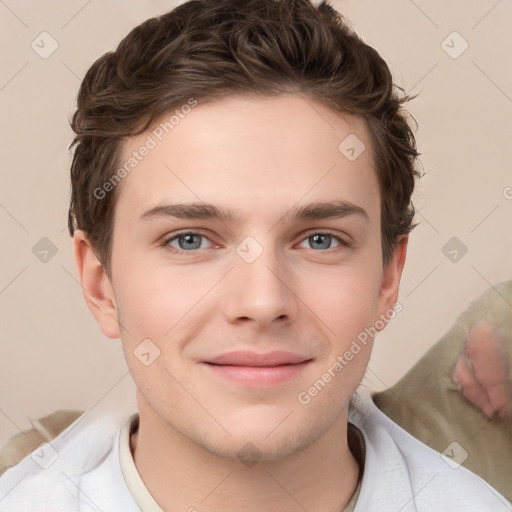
column 205, row 211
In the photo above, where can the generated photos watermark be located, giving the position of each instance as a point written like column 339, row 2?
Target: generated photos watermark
column 342, row 360
column 152, row 141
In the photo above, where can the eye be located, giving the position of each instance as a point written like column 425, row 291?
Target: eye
column 323, row 240
column 191, row 241
column 188, row 241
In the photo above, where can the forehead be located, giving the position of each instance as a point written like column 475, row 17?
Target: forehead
column 244, row 149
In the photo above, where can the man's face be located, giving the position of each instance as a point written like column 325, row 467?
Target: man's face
column 262, row 281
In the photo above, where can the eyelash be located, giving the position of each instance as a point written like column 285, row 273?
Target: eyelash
column 343, row 243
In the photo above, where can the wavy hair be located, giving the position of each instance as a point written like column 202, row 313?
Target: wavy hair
column 210, row 49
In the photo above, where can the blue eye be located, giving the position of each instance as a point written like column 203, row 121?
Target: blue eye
column 190, row 241
column 324, row 240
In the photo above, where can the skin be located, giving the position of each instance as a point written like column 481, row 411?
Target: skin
column 261, row 157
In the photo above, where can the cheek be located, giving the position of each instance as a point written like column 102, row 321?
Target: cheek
column 153, row 298
column 345, row 299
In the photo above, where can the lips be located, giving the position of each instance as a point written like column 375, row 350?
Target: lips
column 254, row 359
column 254, row 370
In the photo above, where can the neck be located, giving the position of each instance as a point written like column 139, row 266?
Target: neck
column 180, row 475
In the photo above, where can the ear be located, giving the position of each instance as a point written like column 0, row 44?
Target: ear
column 388, row 294
column 96, row 286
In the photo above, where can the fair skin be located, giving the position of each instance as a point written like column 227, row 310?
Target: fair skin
column 304, row 294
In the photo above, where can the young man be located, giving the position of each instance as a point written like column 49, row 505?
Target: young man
column 240, row 208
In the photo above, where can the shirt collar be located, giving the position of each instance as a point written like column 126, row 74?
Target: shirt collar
column 132, row 478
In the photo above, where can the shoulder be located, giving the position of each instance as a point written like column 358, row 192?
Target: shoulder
column 402, row 473
column 52, row 472
column 43, row 430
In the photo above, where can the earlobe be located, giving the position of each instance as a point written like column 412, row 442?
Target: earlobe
column 96, row 287
column 391, row 275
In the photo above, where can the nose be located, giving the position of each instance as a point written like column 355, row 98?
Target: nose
column 260, row 290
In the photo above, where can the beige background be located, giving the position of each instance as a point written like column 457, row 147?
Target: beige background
column 53, row 354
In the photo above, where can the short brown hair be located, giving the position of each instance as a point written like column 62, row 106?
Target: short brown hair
column 207, row 49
